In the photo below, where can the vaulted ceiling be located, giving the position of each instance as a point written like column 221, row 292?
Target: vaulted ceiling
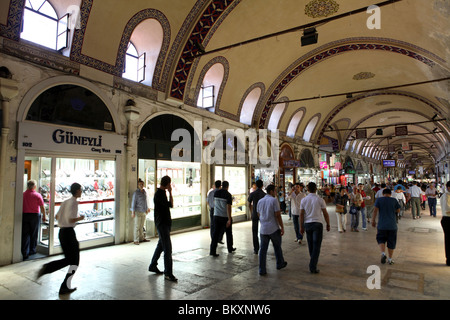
column 411, row 46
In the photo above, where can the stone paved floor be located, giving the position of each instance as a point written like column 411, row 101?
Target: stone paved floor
column 120, row 272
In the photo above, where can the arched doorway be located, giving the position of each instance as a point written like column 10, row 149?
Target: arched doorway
column 66, row 135
column 159, row 156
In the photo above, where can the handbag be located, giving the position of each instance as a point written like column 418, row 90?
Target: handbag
column 353, row 210
column 339, row 208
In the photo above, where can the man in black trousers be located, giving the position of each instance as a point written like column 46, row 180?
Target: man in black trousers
column 67, row 217
column 253, row 199
column 163, row 222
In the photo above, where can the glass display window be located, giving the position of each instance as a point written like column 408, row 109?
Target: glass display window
column 266, row 175
column 186, row 184
column 97, row 203
column 236, row 176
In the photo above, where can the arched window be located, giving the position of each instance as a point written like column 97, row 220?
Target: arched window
column 249, row 105
column 143, row 51
column 310, row 128
column 41, row 25
column 134, row 64
column 360, row 144
column 347, row 145
column 295, row 122
column 276, row 116
column 212, row 81
column 71, row 105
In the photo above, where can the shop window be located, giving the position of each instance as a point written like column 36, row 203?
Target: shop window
column 154, row 152
column 41, row 25
column 249, row 105
column 71, row 105
column 134, row 64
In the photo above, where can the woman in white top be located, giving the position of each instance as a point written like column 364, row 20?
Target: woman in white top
column 431, row 193
column 67, row 219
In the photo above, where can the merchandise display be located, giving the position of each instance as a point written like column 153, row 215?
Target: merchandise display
column 96, row 204
column 237, row 188
column 185, row 178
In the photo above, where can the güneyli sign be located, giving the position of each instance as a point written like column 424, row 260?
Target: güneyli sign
column 36, row 136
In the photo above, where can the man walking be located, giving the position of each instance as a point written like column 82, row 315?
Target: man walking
column 272, row 229
column 415, row 193
column 222, row 219
column 210, row 201
column 67, row 217
column 163, row 222
column 388, row 208
column 311, row 209
column 445, row 222
column 253, row 199
column 296, row 197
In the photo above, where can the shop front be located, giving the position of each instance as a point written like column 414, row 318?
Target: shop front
column 233, row 168
column 155, row 161
column 349, row 171
column 57, row 156
column 288, row 167
column 61, row 141
column 307, row 171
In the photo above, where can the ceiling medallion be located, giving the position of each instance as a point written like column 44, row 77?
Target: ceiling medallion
column 321, row 8
column 363, row 76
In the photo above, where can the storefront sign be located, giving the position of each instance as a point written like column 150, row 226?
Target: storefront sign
column 389, row 163
column 36, row 136
column 291, row 163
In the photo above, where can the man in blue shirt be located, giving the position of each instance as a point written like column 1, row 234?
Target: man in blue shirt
column 223, row 201
column 388, row 208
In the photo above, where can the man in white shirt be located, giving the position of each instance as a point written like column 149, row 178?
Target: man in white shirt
column 445, row 222
column 311, row 209
column 67, row 217
column 271, row 229
column 415, row 192
column 296, row 197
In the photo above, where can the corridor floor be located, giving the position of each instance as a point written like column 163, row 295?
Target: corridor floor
column 346, row 264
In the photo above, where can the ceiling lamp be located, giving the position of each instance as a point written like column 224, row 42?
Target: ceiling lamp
column 310, row 36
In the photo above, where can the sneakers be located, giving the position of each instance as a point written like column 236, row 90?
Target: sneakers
column 384, row 258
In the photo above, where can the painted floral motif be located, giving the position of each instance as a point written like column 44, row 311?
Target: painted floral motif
column 321, row 8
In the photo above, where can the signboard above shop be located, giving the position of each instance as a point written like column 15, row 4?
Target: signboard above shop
column 389, row 163
column 44, row 137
